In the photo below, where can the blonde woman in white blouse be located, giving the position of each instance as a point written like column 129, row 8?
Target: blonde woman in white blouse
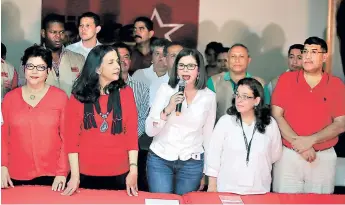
column 245, row 143
column 175, row 161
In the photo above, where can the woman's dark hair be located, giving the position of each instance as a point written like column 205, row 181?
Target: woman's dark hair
column 261, row 111
column 200, row 83
column 86, row 88
column 38, row 51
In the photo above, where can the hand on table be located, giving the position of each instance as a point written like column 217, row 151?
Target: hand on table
column 132, row 184
column 72, row 186
column 59, row 183
column 5, row 178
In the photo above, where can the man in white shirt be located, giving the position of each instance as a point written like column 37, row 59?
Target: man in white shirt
column 157, row 73
column 89, row 26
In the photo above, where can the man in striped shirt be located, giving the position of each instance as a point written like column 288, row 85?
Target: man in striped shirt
column 141, row 95
column 140, row 90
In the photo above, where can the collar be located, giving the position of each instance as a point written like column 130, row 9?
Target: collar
column 228, row 78
column 324, row 80
column 82, row 45
column 62, row 50
column 129, row 79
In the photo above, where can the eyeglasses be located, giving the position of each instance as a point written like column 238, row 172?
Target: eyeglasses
column 242, row 97
column 311, row 52
column 190, row 66
column 38, row 67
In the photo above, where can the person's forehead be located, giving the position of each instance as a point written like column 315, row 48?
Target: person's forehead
column 88, row 20
column 55, row 26
column 123, row 51
column 223, row 55
column 238, row 49
column 295, row 51
column 158, row 49
column 312, row 46
column 139, row 24
column 175, row 49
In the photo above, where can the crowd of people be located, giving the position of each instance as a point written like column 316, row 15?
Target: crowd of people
column 99, row 116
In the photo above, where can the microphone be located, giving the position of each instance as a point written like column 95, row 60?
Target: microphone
column 181, row 86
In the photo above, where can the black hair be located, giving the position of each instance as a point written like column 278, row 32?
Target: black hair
column 296, row 46
column 159, row 42
column 202, row 76
column 148, row 23
column 38, row 51
column 216, row 46
column 223, row 50
column 174, row 43
column 3, row 50
column 261, row 111
column 52, row 18
column 89, row 14
column 317, row 41
column 239, row 45
column 126, row 33
column 86, row 88
column 122, row 45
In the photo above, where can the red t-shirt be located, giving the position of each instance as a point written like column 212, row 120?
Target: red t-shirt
column 309, row 110
column 102, row 154
column 32, row 138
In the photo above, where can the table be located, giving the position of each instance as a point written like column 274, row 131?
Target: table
column 44, row 195
column 269, row 198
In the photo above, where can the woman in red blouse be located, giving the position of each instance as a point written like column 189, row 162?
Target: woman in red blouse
column 101, row 127
column 32, row 141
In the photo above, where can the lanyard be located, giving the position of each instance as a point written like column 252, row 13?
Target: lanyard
column 248, row 146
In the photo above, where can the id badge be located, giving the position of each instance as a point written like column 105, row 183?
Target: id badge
column 247, row 177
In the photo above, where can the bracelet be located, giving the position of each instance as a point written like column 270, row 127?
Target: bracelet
column 133, row 164
column 167, row 114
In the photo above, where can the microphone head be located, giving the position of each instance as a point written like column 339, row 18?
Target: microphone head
column 182, row 83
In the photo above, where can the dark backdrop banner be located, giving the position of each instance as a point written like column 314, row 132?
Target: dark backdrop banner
column 176, row 20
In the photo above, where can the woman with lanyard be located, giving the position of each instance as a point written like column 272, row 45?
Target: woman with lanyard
column 244, row 145
column 175, row 160
column 101, row 127
column 33, row 134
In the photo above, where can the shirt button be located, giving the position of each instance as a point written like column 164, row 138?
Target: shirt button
column 311, row 91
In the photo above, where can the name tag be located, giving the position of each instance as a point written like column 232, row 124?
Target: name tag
column 75, row 69
column 4, row 74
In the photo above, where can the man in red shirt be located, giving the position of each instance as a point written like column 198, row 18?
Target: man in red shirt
column 309, row 106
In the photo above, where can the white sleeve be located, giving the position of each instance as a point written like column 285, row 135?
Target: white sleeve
column 154, row 124
column 276, row 149
column 215, row 148
column 209, row 125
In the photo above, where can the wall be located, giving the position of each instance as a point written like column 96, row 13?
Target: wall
column 267, row 27
column 20, row 27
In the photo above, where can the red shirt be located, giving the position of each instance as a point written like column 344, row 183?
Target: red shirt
column 32, row 138
column 102, row 154
column 309, row 110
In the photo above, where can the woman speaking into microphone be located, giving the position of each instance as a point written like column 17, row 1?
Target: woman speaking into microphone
column 175, row 161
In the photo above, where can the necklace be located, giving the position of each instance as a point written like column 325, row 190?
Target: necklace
column 104, row 126
column 32, row 97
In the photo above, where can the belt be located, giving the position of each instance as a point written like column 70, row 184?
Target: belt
column 315, row 150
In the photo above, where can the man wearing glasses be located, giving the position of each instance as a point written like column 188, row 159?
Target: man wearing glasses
column 66, row 64
column 309, row 106
column 225, row 84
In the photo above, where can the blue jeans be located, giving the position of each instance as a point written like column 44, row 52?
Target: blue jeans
column 177, row 177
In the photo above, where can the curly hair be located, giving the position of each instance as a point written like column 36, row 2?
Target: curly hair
column 261, row 111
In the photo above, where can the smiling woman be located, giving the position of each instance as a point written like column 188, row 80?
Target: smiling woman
column 34, row 121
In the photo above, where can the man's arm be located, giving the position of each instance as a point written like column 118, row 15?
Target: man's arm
column 331, row 131
column 285, row 129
